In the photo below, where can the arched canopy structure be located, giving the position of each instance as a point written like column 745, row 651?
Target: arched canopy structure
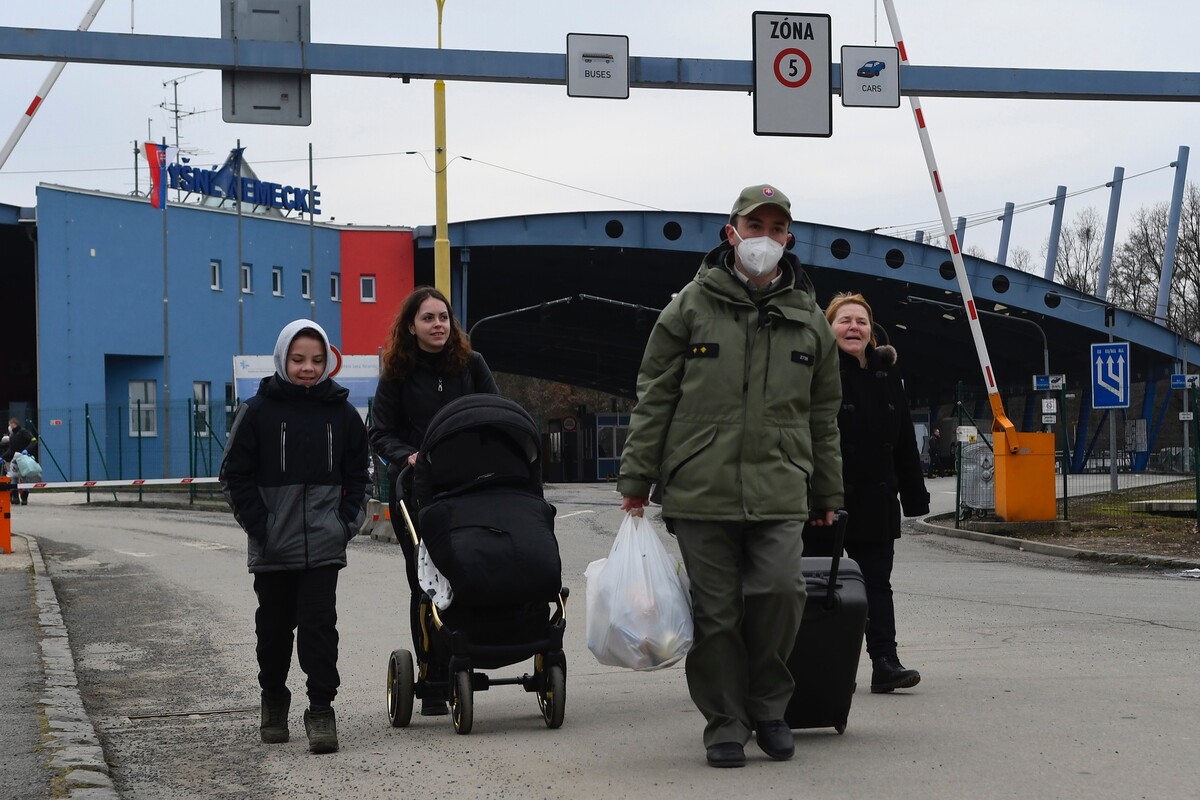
column 572, row 297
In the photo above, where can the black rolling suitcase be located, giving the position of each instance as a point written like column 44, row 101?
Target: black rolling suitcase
column 824, row 662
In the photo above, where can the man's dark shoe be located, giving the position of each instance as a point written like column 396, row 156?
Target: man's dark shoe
column 775, row 739
column 321, row 727
column 273, row 729
column 726, row 754
column 888, row 673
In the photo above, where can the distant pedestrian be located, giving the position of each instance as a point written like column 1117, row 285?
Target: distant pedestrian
column 934, row 449
column 881, row 470
column 19, row 440
column 295, row 473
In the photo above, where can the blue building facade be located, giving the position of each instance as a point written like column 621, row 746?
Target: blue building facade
column 112, row 300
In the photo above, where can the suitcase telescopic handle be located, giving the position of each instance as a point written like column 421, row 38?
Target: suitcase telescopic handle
column 839, row 541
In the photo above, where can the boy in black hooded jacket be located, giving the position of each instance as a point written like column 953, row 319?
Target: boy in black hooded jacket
column 295, row 473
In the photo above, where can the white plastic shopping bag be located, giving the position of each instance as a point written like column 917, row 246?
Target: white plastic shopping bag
column 639, row 609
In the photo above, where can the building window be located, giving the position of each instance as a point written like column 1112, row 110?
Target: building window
column 247, row 286
column 306, row 284
column 214, row 275
column 201, row 393
column 335, row 286
column 366, row 288
column 143, row 409
column 277, row 281
column 230, row 406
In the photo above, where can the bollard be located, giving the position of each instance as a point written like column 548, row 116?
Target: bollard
column 5, row 517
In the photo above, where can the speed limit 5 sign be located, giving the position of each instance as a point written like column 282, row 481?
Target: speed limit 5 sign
column 793, row 74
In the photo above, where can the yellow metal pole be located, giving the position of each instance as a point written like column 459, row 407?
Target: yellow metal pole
column 441, row 244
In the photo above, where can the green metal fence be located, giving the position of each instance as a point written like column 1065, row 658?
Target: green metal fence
column 1154, row 459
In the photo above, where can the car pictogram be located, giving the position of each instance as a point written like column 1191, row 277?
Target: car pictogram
column 871, row 69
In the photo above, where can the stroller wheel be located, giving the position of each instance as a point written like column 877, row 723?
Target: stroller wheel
column 553, row 698
column 400, row 688
column 462, row 702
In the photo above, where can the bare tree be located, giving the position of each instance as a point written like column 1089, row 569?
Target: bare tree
column 1077, row 265
column 1137, row 262
column 1137, row 265
column 1183, row 307
column 1020, row 258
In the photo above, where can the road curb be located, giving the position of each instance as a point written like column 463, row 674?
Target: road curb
column 1061, row 551
column 71, row 741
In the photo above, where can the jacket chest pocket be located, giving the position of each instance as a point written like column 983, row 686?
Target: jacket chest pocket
column 307, row 447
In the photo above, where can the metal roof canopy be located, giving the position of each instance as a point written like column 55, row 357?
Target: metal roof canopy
column 610, row 271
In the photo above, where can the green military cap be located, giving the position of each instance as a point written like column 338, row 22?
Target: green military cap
column 761, row 195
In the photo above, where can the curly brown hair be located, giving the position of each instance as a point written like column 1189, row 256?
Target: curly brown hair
column 400, row 351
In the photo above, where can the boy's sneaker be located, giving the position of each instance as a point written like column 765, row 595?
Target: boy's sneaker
column 274, row 725
column 321, row 727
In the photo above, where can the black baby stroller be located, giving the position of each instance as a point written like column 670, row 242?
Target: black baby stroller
column 476, row 504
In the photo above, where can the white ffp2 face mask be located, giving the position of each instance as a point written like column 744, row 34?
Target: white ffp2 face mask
column 758, row 255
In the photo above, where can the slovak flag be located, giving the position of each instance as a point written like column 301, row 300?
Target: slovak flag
column 159, row 156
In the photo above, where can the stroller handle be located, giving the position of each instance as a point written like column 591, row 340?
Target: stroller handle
column 412, row 530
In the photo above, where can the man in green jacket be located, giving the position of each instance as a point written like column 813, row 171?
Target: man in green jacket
column 736, row 422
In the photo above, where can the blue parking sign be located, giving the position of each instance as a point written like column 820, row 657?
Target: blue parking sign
column 1110, row 375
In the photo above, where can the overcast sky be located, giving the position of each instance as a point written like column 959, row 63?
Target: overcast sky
column 536, row 150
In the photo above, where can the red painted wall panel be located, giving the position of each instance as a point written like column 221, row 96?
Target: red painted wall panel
column 388, row 256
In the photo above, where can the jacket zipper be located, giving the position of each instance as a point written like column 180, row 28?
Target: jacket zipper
column 282, row 447
column 329, row 443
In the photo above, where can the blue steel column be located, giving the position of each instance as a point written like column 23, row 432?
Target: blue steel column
column 919, row 237
column 1060, row 202
column 1110, row 232
column 1005, row 231
column 1168, row 266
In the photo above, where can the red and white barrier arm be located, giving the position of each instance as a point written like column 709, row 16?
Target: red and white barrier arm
column 1001, row 422
column 44, row 90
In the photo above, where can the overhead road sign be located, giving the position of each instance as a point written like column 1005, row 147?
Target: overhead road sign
column 258, row 97
column 870, row 76
column 793, row 75
column 597, row 66
column 1110, row 375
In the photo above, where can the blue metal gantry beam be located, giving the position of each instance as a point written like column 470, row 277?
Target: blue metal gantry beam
column 646, row 72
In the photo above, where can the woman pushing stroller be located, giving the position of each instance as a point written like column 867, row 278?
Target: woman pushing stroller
column 427, row 362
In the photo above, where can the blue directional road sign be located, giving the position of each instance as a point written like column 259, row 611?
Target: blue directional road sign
column 1110, row 375
column 1181, row 381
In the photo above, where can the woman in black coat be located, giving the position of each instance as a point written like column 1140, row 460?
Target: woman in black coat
column 881, row 472
column 427, row 362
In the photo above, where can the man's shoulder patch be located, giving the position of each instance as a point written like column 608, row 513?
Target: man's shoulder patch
column 703, row 350
column 803, row 358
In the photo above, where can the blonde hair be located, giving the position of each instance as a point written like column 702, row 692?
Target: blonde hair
column 847, row 299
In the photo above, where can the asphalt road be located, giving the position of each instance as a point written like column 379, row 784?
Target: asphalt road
column 1042, row 677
